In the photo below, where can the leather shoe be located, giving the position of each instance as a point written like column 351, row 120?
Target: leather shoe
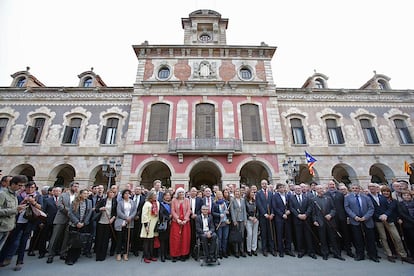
column 281, row 255
column 325, row 257
column 350, row 254
column 391, row 259
column 41, row 256
column 147, row 260
column 300, row 255
column 274, row 253
column 69, row 262
column 249, row 253
column 31, row 253
column 339, row 257
column 243, row 255
column 374, row 259
column 254, row 253
column 265, row 253
column 62, row 257
column 407, row 260
column 313, row 256
column 290, row 253
column 49, row 260
column 359, row 258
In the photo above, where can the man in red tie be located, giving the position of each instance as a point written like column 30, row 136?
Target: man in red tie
column 263, row 200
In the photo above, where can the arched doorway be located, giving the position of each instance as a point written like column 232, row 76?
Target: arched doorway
column 156, row 170
column 344, row 173
column 304, row 176
column 24, row 169
column 205, row 173
column 62, row 175
column 253, row 172
column 381, row 174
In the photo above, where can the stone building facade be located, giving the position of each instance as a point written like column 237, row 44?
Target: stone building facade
column 203, row 113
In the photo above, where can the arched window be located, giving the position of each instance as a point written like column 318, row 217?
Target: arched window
column 298, row 133
column 319, row 83
column 88, row 82
column 205, row 121
column 245, row 73
column 109, row 132
column 158, row 128
column 382, row 84
column 21, row 82
column 335, row 136
column 403, row 132
column 370, row 134
column 251, row 122
column 164, row 73
column 71, row 135
column 34, row 132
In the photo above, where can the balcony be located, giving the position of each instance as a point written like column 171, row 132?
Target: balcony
column 205, row 145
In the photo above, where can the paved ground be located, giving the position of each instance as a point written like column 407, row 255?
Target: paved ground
column 243, row 266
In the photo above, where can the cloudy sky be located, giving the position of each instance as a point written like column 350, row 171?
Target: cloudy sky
column 345, row 40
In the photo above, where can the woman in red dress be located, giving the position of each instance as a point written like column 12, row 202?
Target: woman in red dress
column 180, row 234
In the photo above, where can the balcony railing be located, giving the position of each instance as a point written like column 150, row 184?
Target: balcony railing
column 204, row 144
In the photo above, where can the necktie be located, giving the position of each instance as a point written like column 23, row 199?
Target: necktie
column 359, row 206
column 208, row 204
column 56, row 200
column 299, row 200
column 265, row 193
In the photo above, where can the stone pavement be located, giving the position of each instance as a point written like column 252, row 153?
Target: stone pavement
column 231, row 266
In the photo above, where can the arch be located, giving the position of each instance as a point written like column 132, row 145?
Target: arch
column 381, row 173
column 253, row 171
column 62, row 175
column 344, row 173
column 155, row 170
column 97, row 177
column 205, row 173
column 304, row 176
column 24, row 169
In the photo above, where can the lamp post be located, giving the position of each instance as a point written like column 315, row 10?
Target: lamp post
column 111, row 169
column 291, row 169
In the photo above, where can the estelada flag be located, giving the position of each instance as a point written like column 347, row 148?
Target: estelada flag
column 311, row 162
column 407, row 168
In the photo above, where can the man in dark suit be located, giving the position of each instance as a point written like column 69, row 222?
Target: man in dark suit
column 267, row 231
column 360, row 211
column 195, row 205
column 341, row 218
column 60, row 222
column 136, row 242
column 282, row 220
column 205, row 231
column 301, row 212
column 208, row 199
column 157, row 188
column 323, row 214
column 50, row 208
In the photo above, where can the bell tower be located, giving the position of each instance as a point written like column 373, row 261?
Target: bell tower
column 204, row 27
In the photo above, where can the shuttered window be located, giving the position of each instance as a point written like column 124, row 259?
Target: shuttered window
column 109, row 132
column 335, row 135
column 71, row 135
column 158, row 128
column 298, row 133
column 370, row 134
column 34, row 132
column 251, row 125
column 3, row 125
column 403, row 132
column 205, row 121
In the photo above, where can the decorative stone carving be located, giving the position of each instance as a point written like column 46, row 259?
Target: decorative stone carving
column 91, row 136
column 316, row 135
column 205, row 70
column 16, row 135
column 53, row 137
column 386, row 134
column 351, row 135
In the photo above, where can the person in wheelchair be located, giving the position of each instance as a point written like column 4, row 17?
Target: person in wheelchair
column 206, row 233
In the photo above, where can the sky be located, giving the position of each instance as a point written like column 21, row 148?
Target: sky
column 345, row 40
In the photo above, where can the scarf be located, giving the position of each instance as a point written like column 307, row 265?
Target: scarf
column 220, row 201
column 154, row 208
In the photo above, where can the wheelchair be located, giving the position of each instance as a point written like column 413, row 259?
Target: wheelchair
column 199, row 256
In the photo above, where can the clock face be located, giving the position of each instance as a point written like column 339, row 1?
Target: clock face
column 204, row 37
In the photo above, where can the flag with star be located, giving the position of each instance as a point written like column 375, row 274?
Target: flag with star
column 311, row 162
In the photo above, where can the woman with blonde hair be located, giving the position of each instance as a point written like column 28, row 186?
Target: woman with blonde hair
column 180, row 233
column 149, row 219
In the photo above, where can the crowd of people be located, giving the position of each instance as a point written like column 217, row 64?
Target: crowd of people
column 166, row 224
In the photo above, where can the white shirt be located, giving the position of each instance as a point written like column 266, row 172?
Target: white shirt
column 205, row 224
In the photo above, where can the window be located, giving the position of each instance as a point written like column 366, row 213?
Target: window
column 109, row 131
column 319, row 83
column 251, row 126
column 21, row 82
column 403, row 132
column 335, row 136
column 34, row 132
column 164, row 73
column 3, row 125
column 245, row 73
column 382, row 84
column 205, row 37
column 71, row 135
column 205, row 121
column 158, row 128
column 88, row 82
column 370, row 134
column 298, row 133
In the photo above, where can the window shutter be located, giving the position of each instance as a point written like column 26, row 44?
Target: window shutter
column 103, row 134
column 67, row 136
column 30, row 135
column 158, row 128
column 341, row 139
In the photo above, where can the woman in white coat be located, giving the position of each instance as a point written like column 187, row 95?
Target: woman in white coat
column 149, row 219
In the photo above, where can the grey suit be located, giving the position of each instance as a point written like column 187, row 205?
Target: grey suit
column 121, row 216
column 74, row 216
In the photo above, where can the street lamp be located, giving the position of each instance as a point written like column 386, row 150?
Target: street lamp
column 111, row 170
column 291, row 169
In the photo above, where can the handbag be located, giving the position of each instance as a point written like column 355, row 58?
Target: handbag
column 235, row 235
column 32, row 214
column 162, row 226
column 78, row 239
